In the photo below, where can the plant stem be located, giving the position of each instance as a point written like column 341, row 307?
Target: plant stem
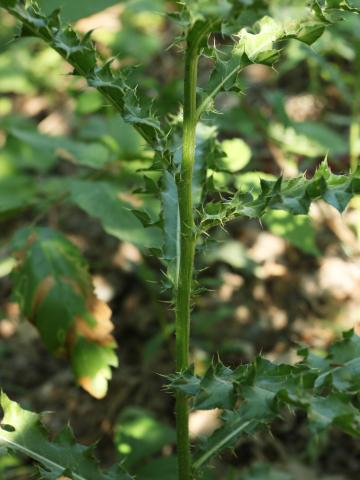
column 187, row 247
column 187, row 242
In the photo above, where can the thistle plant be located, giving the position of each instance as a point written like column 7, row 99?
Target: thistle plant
column 51, row 279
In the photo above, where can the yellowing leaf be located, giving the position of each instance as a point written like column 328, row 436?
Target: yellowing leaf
column 55, row 293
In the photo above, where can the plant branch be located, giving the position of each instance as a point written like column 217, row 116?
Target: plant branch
column 82, row 56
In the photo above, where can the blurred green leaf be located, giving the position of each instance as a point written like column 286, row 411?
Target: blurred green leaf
column 94, row 155
column 114, row 132
column 23, row 73
column 17, row 193
column 72, row 11
column 161, row 468
column 298, row 230
column 231, row 252
column 265, row 472
column 89, row 102
column 138, row 436
column 238, row 154
column 102, row 200
column 140, row 37
column 6, row 266
column 308, row 138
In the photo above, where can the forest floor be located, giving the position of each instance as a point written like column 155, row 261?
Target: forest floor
column 264, row 296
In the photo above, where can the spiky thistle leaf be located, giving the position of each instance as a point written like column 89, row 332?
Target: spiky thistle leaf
column 294, row 196
column 205, row 151
column 22, row 431
column 80, row 52
column 325, row 388
column 259, row 42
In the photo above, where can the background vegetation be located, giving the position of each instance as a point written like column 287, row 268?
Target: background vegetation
column 271, row 286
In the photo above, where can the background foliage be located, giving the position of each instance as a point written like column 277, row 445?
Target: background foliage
column 271, row 285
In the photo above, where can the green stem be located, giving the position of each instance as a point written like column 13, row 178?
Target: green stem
column 187, row 242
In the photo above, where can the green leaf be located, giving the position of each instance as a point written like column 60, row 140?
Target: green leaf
column 204, row 9
column 293, row 196
column 72, row 11
column 164, row 467
column 138, row 436
column 93, row 154
column 17, row 193
column 171, row 225
column 255, row 43
column 207, row 151
column 102, row 201
column 216, row 388
column 238, row 154
column 334, row 410
column 308, row 138
column 256, row 393
column 342, row 368
column 297, row 230
column 54, row 289
column 21, row 431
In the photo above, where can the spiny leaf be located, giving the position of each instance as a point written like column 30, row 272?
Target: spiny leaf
column 215, row 387
column 22, row 431
column 325, row 389
column 259, row 42
column 294, row 196
column 171, row 226
column 54, row 289
column 82, row 55
column 206, row 151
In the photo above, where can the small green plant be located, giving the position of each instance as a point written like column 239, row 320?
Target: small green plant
column 51, row 278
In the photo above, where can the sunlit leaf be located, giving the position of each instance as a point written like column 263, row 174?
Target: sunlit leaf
column 138, row 436
column 297, row 230
column 74, row 10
